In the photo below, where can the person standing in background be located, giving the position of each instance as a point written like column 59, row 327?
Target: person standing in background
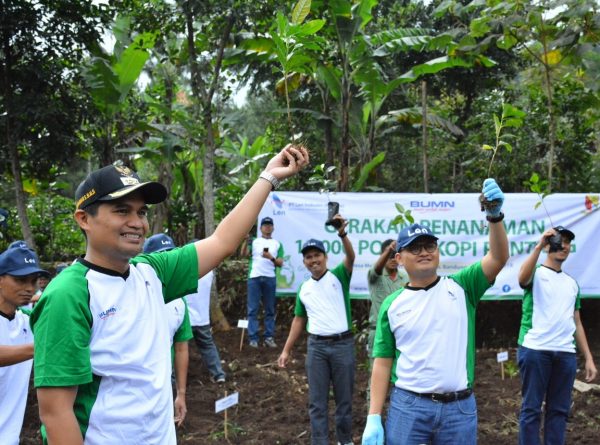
column 550, row 328
column 180, row 332
column 199, row 308
column 266, row 254
column 19, row 273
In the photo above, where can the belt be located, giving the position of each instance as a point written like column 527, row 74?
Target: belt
column 333, row 337
column 446, row 397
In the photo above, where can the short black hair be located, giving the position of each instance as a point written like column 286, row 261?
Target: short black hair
column 385, row 244
column 91, row 210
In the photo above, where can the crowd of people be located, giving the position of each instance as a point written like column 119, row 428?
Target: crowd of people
column 107, row 333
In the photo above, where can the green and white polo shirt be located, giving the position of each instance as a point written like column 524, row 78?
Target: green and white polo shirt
column 180, row 328
column 430, row 332
column 260, row 266
column 326, row 302
column 14, row 379
column 549, row 305
column 108, row 334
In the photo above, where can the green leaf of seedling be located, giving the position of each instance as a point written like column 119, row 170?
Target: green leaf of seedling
column 513, row 122
column 398, row 220
column 409, row 217
column 509, row 111
column 300, row 11
column 487, row 147
column 311, row 27
column 535, row 178
column 497, row 124
column 537, row 204
column 399, row 207
column 506, row 145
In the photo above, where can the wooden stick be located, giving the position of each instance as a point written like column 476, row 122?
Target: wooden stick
column 226, row 438
column 242, row 340
column 502, row 369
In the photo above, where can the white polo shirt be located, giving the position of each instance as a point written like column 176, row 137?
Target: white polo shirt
column 549, row 305
column 430, row 332
column 199, row 302
column 326, row 302
column 260, row 266
column 14, row 379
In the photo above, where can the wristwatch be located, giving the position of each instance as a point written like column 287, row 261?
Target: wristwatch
column 272, row 179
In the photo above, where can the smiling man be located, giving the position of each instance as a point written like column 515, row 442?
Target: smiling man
column 424, row 343
column 19, row 272
column 323, row 306
column 102, row 346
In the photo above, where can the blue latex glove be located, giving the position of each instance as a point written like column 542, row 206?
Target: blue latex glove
column 373, row 434
column 492, row 192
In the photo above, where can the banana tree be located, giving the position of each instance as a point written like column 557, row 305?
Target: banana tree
column 110, row 78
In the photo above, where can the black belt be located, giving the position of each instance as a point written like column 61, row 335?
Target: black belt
column 334, row 337
column 446, row 397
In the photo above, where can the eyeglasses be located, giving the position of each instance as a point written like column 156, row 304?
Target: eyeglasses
column 415, row 248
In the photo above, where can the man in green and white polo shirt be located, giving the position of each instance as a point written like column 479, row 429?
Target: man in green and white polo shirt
column 425, row 341
column 550, row 326
column 323, row 307
column 102, row 346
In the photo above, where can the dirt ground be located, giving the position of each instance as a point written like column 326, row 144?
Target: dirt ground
column 272, row 405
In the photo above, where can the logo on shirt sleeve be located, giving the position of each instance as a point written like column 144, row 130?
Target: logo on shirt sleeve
column 107, row 313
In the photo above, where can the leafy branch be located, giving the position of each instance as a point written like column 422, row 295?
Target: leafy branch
column 404, row 216
column 511, row 117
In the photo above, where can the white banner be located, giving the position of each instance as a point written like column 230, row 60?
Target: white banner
column 455, row 218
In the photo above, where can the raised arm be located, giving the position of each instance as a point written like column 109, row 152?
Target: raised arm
column 348, row 249
column 497, row 256
column 234, row 227
column 384, row 257
column 11, row 355
column 528, row 266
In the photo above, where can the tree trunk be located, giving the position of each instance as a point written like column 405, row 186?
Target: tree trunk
column 346, row 144
column 165, row 170
column 425, row 136
column 11, row 142
column 205, row 95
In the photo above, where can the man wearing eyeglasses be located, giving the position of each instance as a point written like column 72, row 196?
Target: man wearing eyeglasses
column 425, row 342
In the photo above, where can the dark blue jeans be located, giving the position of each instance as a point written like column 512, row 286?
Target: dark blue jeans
column 261, row 289
column 545, row 375
column 414, row 420
column 208, row 350
column 327, row 362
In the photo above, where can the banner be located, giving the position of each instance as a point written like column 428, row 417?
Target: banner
column 455, row 218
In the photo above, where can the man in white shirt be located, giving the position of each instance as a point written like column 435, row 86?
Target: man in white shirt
column 19, row 272
column 199, row 308
column 266, row 253
column 323, row 307
column 424, row 342
column 550, row 327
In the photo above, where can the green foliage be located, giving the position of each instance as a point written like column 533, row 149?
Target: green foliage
column 404, row 216
column 322, row 178
column 511, row 117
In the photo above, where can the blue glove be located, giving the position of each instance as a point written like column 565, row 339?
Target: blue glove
column 492, row 192
column 373, row 434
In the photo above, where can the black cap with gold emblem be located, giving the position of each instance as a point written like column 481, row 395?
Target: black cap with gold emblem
column 113, row 182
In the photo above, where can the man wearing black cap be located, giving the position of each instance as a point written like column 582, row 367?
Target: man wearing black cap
column 266, row 253
column 102, row 348
column 550, row 326
column 424, row 343
column 323, row 307
column 19, row 271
